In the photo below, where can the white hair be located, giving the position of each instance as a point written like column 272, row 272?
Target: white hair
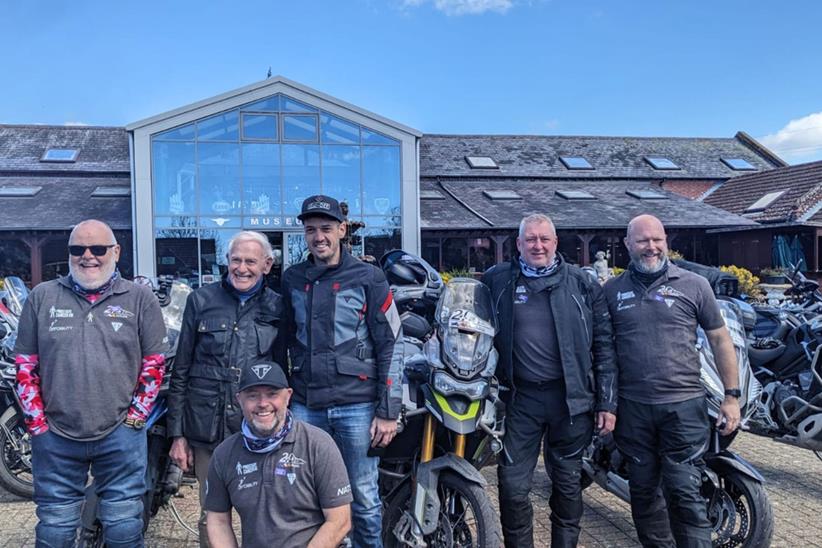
column 535, row 218
column 252, row 236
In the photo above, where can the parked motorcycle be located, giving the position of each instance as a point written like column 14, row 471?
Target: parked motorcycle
column 15, row 441
column 451, row 421
column 163, row 477
column 737, row 505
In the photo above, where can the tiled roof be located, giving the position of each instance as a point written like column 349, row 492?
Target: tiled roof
column 101, row 149
column 803, row 191
column 611, row 157
column 62, row 202
column 612, row 207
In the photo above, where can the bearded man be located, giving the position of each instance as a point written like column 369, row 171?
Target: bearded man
column 663, row 426
column 90, row 362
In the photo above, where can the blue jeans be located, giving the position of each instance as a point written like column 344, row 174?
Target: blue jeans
column 60, row 467
column 350, row 427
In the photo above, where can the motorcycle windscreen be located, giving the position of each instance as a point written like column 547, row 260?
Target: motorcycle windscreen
column 17, row 294
column 466, row 324
column 709, row 374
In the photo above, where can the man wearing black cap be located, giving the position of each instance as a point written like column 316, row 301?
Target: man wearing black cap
column 285, row 478
column 342, row 326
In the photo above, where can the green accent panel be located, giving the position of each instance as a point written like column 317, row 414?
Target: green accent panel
column 472, row 411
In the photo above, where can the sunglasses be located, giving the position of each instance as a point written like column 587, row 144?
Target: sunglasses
column 96, row 250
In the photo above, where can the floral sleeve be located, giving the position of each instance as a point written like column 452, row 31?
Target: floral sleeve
column 28, row 390
column 148, row 386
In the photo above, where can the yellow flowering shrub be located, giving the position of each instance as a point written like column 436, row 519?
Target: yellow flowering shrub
column 748, row 283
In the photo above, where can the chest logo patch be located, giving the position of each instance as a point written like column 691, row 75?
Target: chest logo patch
column 288, row 465
column 260, row 370
column 116, row 326
column 54, row 327
column 670, row 302
column 624, row 296
column 60, row 313
column 668, row 291
column 116, row 311
column 243, row 469
column 521, row 289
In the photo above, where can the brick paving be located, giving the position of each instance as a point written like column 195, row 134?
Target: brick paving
column 793, row 483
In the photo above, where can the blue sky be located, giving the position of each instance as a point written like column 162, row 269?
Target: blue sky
column 571, row 67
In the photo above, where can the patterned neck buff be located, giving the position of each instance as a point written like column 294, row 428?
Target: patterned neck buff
column 531, row 272
column 266, row 445
column 93, row 294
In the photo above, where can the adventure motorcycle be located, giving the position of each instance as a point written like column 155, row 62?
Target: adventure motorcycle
column 738, row 507
column 15, row 441
column 451, row 420
column 163, row 477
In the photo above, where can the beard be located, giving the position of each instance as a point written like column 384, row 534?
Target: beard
column 264, row 430
column 643, row 267
column 91, row 282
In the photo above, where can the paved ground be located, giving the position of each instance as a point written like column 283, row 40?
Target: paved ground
column 794, row 485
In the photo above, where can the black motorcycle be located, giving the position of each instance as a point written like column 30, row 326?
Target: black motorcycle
column 163, row 476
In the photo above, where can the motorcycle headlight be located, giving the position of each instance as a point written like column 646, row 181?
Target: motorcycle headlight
column 466, row 350
column 447, row 386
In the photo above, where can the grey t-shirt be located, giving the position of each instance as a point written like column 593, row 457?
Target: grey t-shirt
column 536, row 348
column 90, row 354
column 279, row 495
column 655, row 334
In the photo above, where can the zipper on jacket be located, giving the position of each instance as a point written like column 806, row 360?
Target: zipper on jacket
column 582, row 316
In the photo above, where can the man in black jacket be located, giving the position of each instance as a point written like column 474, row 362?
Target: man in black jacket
column 227, row 327
column 346, row 368
column 557, row 357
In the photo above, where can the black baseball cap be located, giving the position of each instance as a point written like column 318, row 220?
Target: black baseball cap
column 325, row 206
column 263, row 374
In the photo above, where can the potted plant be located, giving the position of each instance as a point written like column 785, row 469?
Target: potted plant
column 774, row 276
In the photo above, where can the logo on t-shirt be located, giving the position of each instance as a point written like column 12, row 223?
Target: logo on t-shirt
column 116, row 326
column 117, row 311
column 288, row 465
column 60, row 313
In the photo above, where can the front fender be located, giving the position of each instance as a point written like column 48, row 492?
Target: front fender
column 726, row 461
column 426, row 504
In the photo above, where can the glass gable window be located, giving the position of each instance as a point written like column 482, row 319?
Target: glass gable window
column 252, row 167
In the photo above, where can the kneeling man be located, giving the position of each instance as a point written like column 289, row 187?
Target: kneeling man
column 286, row 479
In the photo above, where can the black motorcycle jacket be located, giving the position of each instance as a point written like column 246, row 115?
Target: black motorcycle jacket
column 344, row 336
column 220, row 336
column 584, row 333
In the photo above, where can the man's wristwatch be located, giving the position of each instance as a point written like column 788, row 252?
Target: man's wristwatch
column 733, row 392
column 137, row 424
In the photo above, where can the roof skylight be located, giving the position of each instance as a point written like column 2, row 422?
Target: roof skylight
column 646, row 194
column 19, row 191
column 60, row 155
column 481, row 162
column 111, row 192
column 431, row 195
column 764, row 202
column 575, row 195
column 575, row 162
column 658, row 162
column 501, row 195
column 738, row 164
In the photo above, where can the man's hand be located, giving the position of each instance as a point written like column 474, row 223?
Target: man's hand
column 181, row 454
column 605, row 422
column 729, row 414
column 382, row 431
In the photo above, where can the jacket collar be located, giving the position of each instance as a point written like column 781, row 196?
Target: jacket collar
column 314, row 271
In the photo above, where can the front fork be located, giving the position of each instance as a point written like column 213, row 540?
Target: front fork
column 429, row 432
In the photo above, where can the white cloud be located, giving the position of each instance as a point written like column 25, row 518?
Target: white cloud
column 464, row 7
column 799, row 141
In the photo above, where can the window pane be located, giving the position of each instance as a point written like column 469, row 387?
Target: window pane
column 268, row 104
column 297, row 248
column 222, row 127
column 292, row 105
column 175, row 222
column 374, row 138
column 338, row 131
column 376, row 242
column 213, row 251
column 174, row 178
column 300, row 128
column 381, row 180
column 301, row 175
column 177, row 254
column 341, row 176
column 261, row 179
column 182, row 133
column 260, row 126
column 219, row 170
column 454, row 253
column 481, row 254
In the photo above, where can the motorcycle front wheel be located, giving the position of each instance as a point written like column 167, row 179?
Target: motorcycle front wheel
column 467, row 518
column 15, row 460
column 740, row 512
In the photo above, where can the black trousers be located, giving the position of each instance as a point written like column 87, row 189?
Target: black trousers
column 664, row 445
column 539, row 412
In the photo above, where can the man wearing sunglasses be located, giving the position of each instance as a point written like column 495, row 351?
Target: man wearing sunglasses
column 90, row 362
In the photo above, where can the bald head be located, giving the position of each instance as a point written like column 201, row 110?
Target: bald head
column 98, row 229
column 647, row 243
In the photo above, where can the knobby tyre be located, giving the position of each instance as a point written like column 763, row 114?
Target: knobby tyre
column 467, row 518
column 15, row 464
column 741, row 514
